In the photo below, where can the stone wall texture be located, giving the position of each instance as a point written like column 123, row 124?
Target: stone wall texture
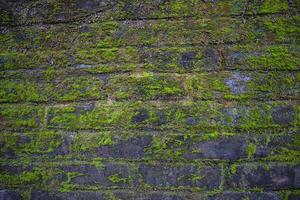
column 150, row 99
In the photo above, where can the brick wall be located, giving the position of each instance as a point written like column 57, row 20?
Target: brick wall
column 158, row 100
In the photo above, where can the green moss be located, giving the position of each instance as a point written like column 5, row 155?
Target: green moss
column 118, row 178
column 21, row 116
column 83, row 87
column 16, row 91
column 67, row 186
column 251, row 150
column 146, row 86
column 278, row 57
column 90, row 142
column 284, row 29
column 290, row 152
column 233, row 168
column 274, row 6
column 39, row 142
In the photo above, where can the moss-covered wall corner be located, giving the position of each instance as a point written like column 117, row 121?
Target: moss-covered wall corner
column 143, row 99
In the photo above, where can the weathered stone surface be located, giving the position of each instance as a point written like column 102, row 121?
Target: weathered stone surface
column 181, row 115
column 267, row 177
column 20, row 116
column 37, row 195
column 158, row 100
column 57, row 11
column 10, row 195
column 206, row 178
column 246, row 195
column 110, row 175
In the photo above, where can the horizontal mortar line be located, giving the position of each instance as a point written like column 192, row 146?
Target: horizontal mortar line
column 81, row 71
column 146, row 191
column 152, row 129
column 254, row 190
column 132, row 188
column 211, row 162
column 86, row 19
column 163, row 100
column 139, row 190
column 153, row 101
column 61, row 162
column 169, row 132
column 215, row 43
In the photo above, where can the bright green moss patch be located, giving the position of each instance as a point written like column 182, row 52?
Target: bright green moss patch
column 14, row 91
column 118, row 178
column 145, row 86
column 243, row 85
column 20, row 116
column 43, row 142
column 106, row 55
column 251, row 150
column 62, row 89
column 274, row 6
column 290, row 152
column 278, row 57
column 90, row 141
column 283, row 29
column 82, row 87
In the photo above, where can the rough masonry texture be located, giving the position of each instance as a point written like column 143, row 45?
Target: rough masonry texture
column 150, row 99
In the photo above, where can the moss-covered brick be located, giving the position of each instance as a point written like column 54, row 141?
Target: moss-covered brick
column 89, row 142
column 32, row 144
column 279, row 57
column 269, row 6
column 111, row 175
column 189, row 146
column 179, row 59
column 21, row 116
column 131, row 115
column 106, row 55
column 47, row 87
column 145, row 86
column 77, row 88
column 31, row 60
column 183, row 115
column 184, row 176
column 19, row 90
column 243, row 85
column 262, row 115
column 289, row 152
column 264, row 176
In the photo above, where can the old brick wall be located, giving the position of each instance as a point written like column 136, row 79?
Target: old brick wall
column 150, row 99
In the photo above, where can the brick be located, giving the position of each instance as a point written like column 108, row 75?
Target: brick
column 36, row 195
column 147, row 86
column 110, row 175
column 10, row 195
column 245, row 195
column 33, row 144
column 143, row 146
column 206, row 178
column 267, row 57
column 32, row 60
column 268, row 177
column 168, row 115
column 158, row 195
column 21, row 116
column 243, row 85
